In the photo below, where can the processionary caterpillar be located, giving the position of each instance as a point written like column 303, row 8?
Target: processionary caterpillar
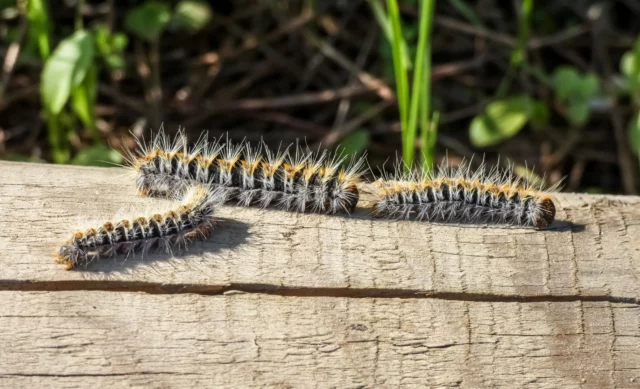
column 192, row 219
column 295, row 179
column 464, row 195
column 210, row 173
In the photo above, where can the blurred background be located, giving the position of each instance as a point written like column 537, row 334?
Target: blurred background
column 553, row 87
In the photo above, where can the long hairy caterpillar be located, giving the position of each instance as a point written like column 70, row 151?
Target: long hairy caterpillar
column 192, row 219
column 460, row 194
column 292, row 178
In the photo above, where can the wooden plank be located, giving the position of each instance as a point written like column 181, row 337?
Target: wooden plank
column 594, row 250
column 108, row 340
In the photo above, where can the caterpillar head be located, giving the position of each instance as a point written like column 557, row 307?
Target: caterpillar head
column 547, row 214
column 69, row 255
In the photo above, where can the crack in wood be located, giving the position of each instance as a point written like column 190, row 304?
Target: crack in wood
column 289, row 291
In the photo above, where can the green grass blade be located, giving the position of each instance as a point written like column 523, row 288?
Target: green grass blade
column 402, row 82
column 428, row 138
column 79, row 22
column 38, row 17
column 465, row 10
column 385, row 24
column 519, row 54
column 523, row 32
column 421, row 93
column 57, row 138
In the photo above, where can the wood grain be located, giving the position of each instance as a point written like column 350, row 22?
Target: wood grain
column 113, row 340
column 593, row 250
column 285, row 300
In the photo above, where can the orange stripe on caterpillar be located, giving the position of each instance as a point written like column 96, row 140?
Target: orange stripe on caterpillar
column 293, row 178
column 465, row 196
column 193, row 219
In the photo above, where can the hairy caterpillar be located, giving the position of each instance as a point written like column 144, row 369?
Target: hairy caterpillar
column 462, row 195
column 298, row 180
column 192, row 219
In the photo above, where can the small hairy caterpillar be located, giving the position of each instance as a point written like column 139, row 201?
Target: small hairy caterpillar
column 462, row 195
column 193, row 219
column 298, row 180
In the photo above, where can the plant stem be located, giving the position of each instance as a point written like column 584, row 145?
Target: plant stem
column 402, row 83
column 38, row 16
column 519, row 54
column 465, row 10
column 79, row 6
column 385, row 24
column 59, row 148
column 428, row 141
column 156, row 83
column 421, row 96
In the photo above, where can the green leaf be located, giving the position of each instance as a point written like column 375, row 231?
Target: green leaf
column 192, row 15
column 539, row 114
column 111, row 46
column 98, row 155
column 578, row 113
column 39, row 25
column 355, row 143
column 119, row 42
column 589, row 86
column 630, row 62
column 102, row 39
column 83, row 99
column 630, row 67
column 566, row 80
column 148, row 21
column 634, row 134
column 501, row 120
column 115, row 62
column 108, row 43
column 576, row 91
column 65, row 69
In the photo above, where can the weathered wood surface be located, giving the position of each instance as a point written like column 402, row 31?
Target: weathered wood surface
column 594, row 250
column 104, row 339
column 362, row 302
